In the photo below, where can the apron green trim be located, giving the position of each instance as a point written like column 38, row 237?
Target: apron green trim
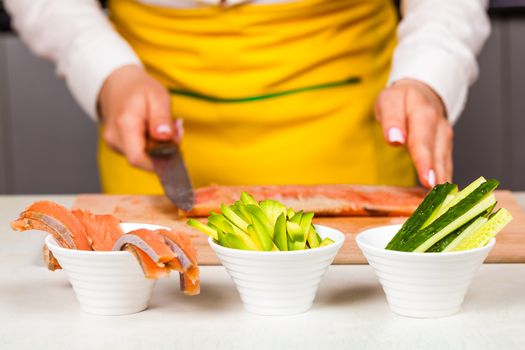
column 192, row 94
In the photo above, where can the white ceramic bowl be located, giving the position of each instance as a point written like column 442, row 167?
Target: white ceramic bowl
column 279, row 283
column 106, row 283
column 420, row 284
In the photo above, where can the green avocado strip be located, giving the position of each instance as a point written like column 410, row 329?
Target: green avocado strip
column 209, row 98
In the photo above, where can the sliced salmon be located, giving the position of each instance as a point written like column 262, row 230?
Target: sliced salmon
column 50, row 260
column 183, row 241
column 185, row 251
column 150, row 243
column 55, row 219
column 188, row 286
column 102, row 230
column 150, row 268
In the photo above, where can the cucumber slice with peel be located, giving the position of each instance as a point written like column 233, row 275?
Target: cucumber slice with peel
column 473, row 205
column 449, row 242
column 424, row 211
column 476, row 225
column 486, row 232
column 467, row 191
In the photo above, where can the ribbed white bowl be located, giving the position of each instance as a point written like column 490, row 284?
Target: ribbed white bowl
column 420, row 284
column 279, row 283
column 106, row 283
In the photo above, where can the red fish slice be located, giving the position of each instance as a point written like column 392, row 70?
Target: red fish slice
column 324, row 200
column 189, row 277
column 150, row 268
column 55, row 219
column 188, row 286
column 50, row 260
column 182, row 263
column 103, row 230
column 150, row 243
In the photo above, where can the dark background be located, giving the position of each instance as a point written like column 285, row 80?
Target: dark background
column 48, row 145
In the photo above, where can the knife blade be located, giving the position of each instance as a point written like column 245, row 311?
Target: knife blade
column 171, row 170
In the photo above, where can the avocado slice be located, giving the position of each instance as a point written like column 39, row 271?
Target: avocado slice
column 280, row 238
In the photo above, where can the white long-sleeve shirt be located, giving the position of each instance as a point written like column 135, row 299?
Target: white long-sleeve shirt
column 438, row 41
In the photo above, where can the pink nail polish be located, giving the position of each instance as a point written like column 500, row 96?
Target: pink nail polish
column 395, row 135
column 180, row 127
column 431, row 178
column 164, row 129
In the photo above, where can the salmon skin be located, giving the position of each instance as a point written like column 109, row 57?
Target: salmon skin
column 157, row 251
column 323, row 200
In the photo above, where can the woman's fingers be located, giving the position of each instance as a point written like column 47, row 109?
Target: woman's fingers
column 134, row 106
column 443, row 152
column 178, row 127
column 411, row 113
column 390, row 111
column 421, row 144
column 159, row 114
column 133, row 141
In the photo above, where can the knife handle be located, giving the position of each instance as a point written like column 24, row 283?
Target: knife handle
column 156, row 148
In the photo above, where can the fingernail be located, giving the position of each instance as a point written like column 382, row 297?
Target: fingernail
column 395, row 135
column 180, row 128
column 164, row 129
column 431, row 178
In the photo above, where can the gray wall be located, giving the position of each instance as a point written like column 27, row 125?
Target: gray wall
column 490, row 136
column 47, row 145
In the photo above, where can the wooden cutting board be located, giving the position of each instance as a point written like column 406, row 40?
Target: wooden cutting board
column 510, row 247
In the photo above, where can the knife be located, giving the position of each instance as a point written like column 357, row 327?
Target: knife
column 172, row 172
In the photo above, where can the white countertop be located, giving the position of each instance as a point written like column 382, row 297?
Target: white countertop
column 38, row 310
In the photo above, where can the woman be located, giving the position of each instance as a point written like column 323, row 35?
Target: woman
column 270, row 91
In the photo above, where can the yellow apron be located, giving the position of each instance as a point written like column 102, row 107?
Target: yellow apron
column 270, row 94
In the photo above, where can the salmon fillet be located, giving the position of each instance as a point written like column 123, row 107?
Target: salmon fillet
column 323, row 200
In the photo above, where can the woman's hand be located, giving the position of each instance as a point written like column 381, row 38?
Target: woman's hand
column 412, row 114
column 132, row 104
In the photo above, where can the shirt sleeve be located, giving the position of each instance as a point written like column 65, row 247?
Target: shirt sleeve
column 78, row 37
column 438, row 41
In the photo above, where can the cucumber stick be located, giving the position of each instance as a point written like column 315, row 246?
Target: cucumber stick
column 486, row 232
column 448, row 243
column 430, row 204
column 454, row 198
column 472, row 228
column 467, row 190
column 441, row 208
column 465, row 210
